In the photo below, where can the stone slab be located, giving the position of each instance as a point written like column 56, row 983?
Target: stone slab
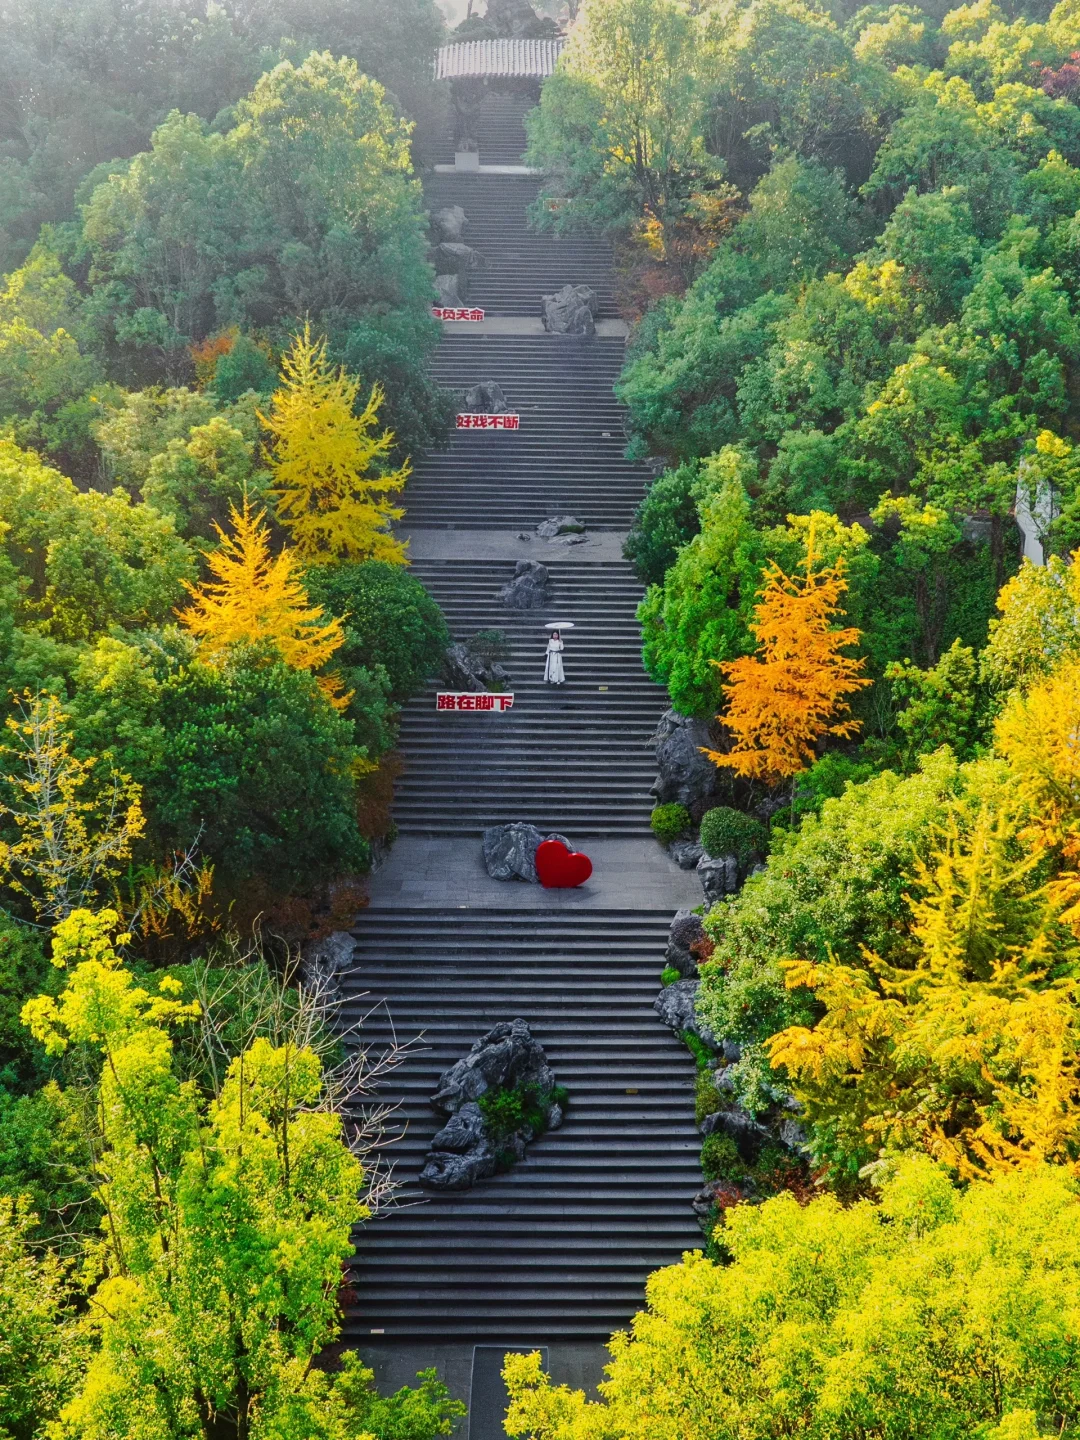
column 486, row 170
column 440, row 873
column 444, row 543
column 528, row 325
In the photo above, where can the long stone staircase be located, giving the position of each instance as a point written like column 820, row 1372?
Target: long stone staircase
column 574, row 759
column 558, row 1249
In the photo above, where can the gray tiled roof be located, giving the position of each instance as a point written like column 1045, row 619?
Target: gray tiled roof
column 532, row 58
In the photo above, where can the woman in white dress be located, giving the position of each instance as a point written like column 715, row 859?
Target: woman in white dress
column 553, row 669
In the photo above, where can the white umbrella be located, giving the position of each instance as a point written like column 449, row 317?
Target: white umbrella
column 559, row 625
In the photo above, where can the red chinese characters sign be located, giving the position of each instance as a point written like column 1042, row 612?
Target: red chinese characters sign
column 452, row 700
column 489, row 422
column 451, row 312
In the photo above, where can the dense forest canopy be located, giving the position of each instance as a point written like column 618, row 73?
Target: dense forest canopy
column 847, row 243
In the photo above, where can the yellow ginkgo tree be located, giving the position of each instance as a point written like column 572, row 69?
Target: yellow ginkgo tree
column 332, row 482
column 258, row 598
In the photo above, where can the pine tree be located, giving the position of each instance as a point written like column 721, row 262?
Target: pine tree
column 255, row 598
column 782, row 700
column 331, row 491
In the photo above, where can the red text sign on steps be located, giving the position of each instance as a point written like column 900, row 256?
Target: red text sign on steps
column 489, row 422
column 452, row 700
column 450, row 312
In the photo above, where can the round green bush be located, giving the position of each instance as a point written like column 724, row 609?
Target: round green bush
column 720, row 1159
column 725, row 831
column 669, row 822
column 390, row 620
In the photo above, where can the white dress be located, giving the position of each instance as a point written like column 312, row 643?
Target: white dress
column 553, row 669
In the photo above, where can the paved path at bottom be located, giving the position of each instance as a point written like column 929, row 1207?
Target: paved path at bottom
column 444, row 874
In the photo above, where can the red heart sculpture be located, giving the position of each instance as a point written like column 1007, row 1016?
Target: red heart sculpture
column 560, row 868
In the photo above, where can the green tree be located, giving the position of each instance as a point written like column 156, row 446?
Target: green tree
column 249, row 758
column 87, row 560
column 226, row 1220
column 929, row 1312
column 829, row 888
column 390, row 622
column 40, row 1351
column 307, row 205
column 700, row 613
column 621, row 123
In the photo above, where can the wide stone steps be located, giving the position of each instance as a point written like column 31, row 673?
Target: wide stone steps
column 574, row 758
column 521, row 263
column 559, row 1247
column 500, row 131
column 566, row 458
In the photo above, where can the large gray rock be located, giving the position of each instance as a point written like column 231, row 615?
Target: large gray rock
column 510, row 851
column 454, row 258
column 676, row 1007
column 749, row 1135
column 486, row 398
column 560, row 525
column 686, row 931
column 460, row 1154
column 717, row 1196
column 452, row 291
column 530, row 589
column 504, row 1059
column 325, row 961
column 719, row 877
column 686, row 776
column 463, row 670
column 686, row 853
column 448, row 225
column 570, row 311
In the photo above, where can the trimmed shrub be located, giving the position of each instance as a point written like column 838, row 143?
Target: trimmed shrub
column 669, row 822
column 725, row 831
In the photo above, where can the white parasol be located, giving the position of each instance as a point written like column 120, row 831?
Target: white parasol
column 559, row 625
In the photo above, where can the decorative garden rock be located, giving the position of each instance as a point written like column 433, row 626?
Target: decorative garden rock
column 719, row 1195
column 560, row 525
column 718, row 877
column 448, row 225
column 510, row 851
column 453, row 258
column 676, row 1007
column 464, row 670
column 686, row 931
column 685, row 853
column 486, row 398
column 686, row 776
column 570, row 311
column 451, row 291
column 326, row 960
column 748, row 1135
column 530, row 589
column 465, row 1150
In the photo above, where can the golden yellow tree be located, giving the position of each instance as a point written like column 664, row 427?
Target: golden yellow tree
column 783, row 699
column 1038, row 733
column 331, row 478
column 75, row 820
column 256, row 597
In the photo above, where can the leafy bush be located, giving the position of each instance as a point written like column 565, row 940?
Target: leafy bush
column 720, row 1159
column 725, row 831
column 506, row 1111
column 669, row 822
column 706, row 1096
column 390, row 620
column 669, row 975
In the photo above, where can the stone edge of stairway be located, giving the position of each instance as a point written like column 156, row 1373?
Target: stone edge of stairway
column 528, row 325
